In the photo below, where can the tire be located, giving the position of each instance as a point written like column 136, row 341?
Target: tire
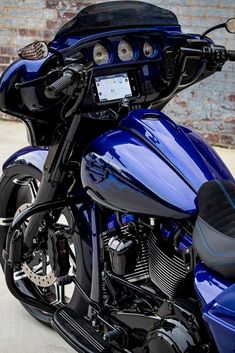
column 17, row 188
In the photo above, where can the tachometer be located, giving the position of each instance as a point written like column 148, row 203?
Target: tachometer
column 148, row 50
column 101, row 54
column 125, row 51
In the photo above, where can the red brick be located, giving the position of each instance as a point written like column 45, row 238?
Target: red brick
column 4, row 60
column 182, row 103
column 213, row 138
column 231, row 98
column 230, row 120
column 51, row 4
column 209, row 113
column 227, row 140
column 66, row 15
column 48, row 35
column 8, row 51
column 45, row 34
column 14, row 58
column 24, row 32
column 3, row 67
column 52, row 24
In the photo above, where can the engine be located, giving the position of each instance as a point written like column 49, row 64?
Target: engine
column 148, row 252
column 167, row 269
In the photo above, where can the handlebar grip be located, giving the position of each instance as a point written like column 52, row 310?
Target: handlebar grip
column 54, row 90
column 231, row 55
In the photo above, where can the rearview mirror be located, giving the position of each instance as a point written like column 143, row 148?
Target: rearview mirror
column 34, row 51
column 230, row 25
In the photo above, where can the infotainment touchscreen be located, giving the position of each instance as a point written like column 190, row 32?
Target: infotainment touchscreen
column 113, row 87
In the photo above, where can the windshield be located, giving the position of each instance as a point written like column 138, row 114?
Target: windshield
column 117, row 14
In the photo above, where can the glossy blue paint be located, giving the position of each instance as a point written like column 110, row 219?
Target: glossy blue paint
column 31, row 156
column 112, row 222
column 191, row 155
column 31, row 100
column 185, row 242
column 220, row 316
column 11, row 100
column 214, row 163
column 64, row 44
column 160, row 37
column 122, row 173
column 146, row 167
column 208, row 284
column 96, row 270
column 28, row 68
column 169, row 229
column 216, row 295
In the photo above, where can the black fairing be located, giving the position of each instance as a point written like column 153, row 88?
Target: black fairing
column 103, row 16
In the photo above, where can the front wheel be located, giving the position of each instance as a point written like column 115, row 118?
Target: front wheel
column 36, row 278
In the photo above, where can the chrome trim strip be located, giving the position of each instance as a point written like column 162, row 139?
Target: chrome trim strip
column 5, row 222
column 21, row 182
column 19, row 275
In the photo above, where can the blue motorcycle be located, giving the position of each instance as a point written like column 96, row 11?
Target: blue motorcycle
column 117, row 226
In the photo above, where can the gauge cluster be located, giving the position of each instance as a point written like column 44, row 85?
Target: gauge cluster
column 124, row 51
column 124, row 67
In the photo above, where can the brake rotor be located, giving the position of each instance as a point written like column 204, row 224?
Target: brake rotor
column 39, row 280
column 30, row 269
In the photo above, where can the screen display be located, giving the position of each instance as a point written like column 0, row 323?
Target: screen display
column 113, row 87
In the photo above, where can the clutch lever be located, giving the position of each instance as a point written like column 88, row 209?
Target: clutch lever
column 31, row 83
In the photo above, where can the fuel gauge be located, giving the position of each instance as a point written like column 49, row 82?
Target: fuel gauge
column 148, row 50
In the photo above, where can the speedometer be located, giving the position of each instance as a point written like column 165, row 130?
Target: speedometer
column 101, row 54
column 125, row 51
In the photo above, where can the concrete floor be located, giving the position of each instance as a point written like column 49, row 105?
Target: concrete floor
column 19, row 332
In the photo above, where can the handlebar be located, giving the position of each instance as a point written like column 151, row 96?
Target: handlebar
column 71, row 75
column 231, row 55
column 212, row 56
column 214, row 52
column 57, row 87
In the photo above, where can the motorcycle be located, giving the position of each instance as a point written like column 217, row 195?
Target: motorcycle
column 116, row 223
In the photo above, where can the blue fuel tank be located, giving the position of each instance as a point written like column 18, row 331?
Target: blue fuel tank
column 150, row 165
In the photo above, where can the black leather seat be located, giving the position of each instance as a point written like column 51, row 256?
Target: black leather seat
column 214, row 231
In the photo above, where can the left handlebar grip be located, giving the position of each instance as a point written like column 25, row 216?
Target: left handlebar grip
column 231, row 55
column 54, row 90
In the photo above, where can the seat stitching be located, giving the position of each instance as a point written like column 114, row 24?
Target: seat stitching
column 222, row 187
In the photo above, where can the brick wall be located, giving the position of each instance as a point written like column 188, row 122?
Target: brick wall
column 208, row 107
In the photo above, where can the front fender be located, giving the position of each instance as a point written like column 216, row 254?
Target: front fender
column 33, row 157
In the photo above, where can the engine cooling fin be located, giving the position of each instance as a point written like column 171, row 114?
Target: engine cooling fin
column 166, row 272
column 141, row 270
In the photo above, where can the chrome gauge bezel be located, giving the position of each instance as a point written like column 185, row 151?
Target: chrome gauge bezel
column 107, row 52
column 121, row 53
column 154, row 53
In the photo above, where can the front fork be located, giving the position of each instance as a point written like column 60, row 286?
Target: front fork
column 55, row 169
column 52, row 196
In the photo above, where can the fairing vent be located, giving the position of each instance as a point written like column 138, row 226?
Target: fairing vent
column 166, row 272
